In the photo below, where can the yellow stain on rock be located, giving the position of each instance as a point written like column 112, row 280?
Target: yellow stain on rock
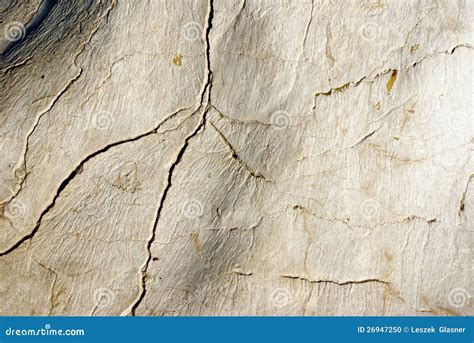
column 378, row 5
column 177, row 60
column 391, row 81
column 413, row 48
column 335, row 90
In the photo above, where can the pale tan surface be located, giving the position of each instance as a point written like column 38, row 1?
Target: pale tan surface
column 238, row 158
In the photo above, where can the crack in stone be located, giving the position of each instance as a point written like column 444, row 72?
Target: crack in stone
column 236, row 156
column 339, row 283
column 206, row 89
column 55, row 100
column 463, row 196
column 160, row 208
column 346, row 221
column 16, row 65
column 77, row 171
column 387, row 285
column 238, row 121
column 367, row 136
column 26, row 149
column 308, row 26
column 353, row 84
column 52, row 285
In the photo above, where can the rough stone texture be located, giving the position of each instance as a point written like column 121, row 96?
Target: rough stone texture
column 236, row 157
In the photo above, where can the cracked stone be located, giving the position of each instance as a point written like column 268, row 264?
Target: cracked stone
column 236, row 158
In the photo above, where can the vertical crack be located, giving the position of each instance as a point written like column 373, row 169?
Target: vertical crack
column 205, row 100
column 158, row 214
column 463, row 197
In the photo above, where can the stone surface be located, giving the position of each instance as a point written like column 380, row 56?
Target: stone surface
column 236, row 158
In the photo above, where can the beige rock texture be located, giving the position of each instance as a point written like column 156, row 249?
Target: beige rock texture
column 236, row 157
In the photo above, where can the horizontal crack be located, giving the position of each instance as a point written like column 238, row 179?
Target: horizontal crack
column 339, row 283
column 353, row 84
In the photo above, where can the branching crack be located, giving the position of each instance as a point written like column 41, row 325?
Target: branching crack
column 160, row 208
column 206, row 90
column 77, row 171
